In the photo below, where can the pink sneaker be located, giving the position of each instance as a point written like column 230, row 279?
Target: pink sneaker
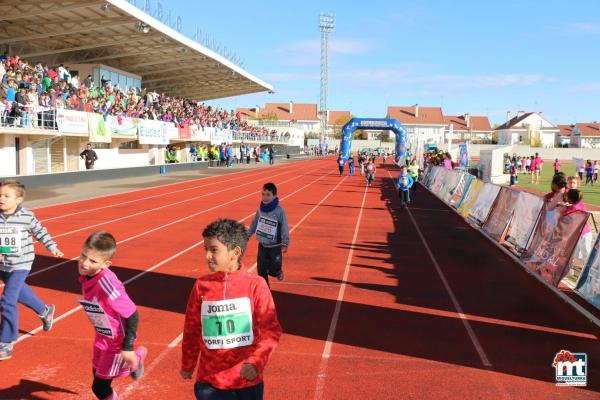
column 141, row 352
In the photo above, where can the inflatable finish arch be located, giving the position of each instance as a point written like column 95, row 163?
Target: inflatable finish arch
column 382, row 124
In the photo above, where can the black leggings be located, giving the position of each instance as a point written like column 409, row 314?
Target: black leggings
column 101, row 387
column 268, row 261
column 204, row 391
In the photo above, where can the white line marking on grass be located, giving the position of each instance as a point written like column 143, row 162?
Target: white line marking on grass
column 338, row 306
column 482, row 356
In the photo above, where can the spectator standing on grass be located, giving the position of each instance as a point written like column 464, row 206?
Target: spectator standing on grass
column 222, row 304
column 574, row 198
column 89, row 156
column 558, row 187
column 528, row 165
column 556, row 166
column 589, row 172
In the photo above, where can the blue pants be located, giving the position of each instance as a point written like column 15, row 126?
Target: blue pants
column 16, row 290
column 351, row 169
column 204, row 391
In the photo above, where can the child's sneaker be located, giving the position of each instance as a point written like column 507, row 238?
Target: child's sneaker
column 6, row 351
column 48, row 317
column 141, row 352
column 280, row 276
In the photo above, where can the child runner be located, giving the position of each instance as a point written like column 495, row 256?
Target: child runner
column 351, row 165
column 17, row 224
column 340, row 163
column 413, row 171
column 370, row 170
column 361, row 163
column 404, row 183
column 113, row 315
column 231, row 325
column 272, row 232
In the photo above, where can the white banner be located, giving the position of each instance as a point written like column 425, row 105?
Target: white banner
column 481, row 209
column 152, row 132
column 200, row 134
column 172, row 131
column 219, row 136
column 72, row 121
column 122, row 127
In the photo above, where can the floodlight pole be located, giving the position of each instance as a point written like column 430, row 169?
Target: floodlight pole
column 326, row 25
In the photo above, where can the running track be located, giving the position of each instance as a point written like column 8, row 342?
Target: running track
column 377, row 303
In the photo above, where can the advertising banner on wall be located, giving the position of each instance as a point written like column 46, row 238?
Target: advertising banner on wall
column 461, row 190
column 480, row 210
column 588, row 284
column 501, row 214
column 463, row 155
column 97, row 129
column 200, row 134
column 152, row 132
column 122, row 127
column 526, row 214
column 472, row 194
column 70, row 121
column 553, row 244
column 219, row 136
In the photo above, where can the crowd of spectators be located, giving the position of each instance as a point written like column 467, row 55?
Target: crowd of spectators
column 26, row 89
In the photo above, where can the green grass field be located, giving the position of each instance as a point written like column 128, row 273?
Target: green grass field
column 591, row 193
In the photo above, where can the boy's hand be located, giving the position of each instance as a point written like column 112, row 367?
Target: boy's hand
column 186, row 374
column 284, row 249
column 130, row 358
column 58, row 253
column 248, row 372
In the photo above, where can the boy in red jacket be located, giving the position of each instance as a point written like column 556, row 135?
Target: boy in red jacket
column 231, row 325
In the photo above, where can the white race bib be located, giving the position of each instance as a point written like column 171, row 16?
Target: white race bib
column 10, row 239
column 97, row 317
column 266, row 228
column 227, row 324
column 404, row 181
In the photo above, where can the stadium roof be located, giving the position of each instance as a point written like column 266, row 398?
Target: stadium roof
column 117, row 34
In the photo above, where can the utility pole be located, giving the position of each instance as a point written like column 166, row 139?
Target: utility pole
column 326, row 25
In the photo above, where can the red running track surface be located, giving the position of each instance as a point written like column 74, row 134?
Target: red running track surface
column 377, row 303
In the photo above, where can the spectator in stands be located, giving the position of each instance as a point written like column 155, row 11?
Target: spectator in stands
column 89, row 156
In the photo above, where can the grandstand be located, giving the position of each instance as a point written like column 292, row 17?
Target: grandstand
column 76, row 58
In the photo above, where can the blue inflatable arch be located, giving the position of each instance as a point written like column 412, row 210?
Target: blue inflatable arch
column 382, row 124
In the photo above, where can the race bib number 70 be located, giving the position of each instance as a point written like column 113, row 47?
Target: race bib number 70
column 227, row 324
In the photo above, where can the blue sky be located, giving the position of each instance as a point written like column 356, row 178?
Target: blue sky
column 480, row 57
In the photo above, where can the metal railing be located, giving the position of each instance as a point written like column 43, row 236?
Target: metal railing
column 32, row 117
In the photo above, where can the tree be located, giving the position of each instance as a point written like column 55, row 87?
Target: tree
column 359, row 134
column 339, row 124
column 270, row 117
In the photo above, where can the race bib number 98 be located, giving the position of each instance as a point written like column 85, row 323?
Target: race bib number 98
column 10, row 239
column 227, row 324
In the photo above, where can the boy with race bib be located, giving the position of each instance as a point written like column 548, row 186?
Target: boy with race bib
column 370, row 170
column 231, row 326
column 17, row 224
column 404, row 183
column 112, row 314
column 272, row 232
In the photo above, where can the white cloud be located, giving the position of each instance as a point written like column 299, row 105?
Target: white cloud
column 585, row 27
column 585, row 88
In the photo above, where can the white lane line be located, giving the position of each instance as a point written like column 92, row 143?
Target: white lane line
column 155, row 266
column 308, row 214
column 482, row 355
column 146, row 198
column 160, row 208
column 147, row 188
column 178, row 339
column 338, row 306
column 158, row 228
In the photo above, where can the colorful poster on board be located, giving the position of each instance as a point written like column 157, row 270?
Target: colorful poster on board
column 497, row 222
column 461, row 191
column 526, row 214
column 471, row 197
column 463, row 155
column 480, row 210
column 588, row 284
column 553, row 243
column 122, row 127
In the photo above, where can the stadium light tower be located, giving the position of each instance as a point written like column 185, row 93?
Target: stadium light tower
column 326, row 25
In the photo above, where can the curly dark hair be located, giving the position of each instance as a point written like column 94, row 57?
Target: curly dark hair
column 229, row 232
